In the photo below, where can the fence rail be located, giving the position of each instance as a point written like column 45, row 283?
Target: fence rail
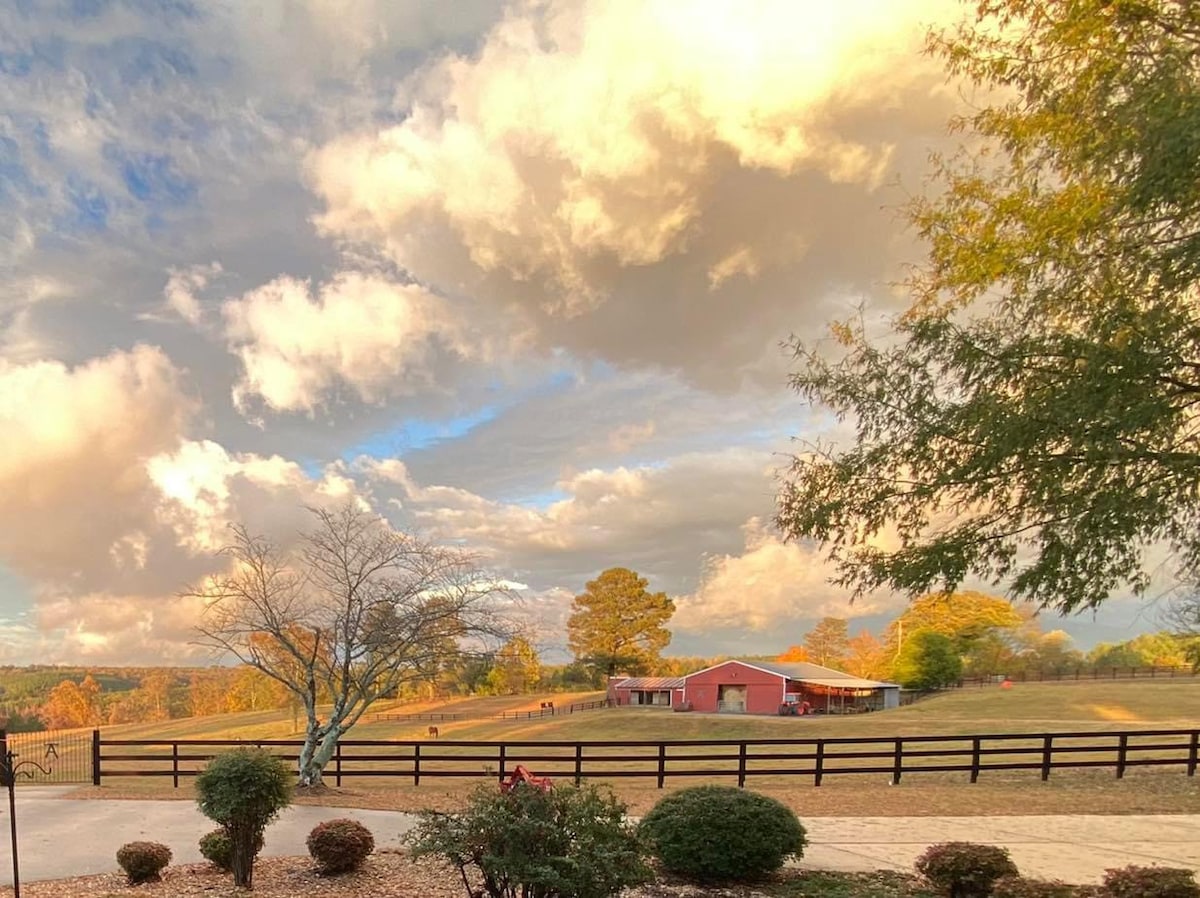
column 742, row 760
column 1082, row 673
column 547, row 710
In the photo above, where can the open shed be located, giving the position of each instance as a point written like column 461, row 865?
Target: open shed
column 660, row 692
column 762, row 687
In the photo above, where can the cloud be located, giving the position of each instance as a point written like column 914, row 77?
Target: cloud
column 652, row 187
column 73, row 441
column 203, row 489
column 374, row 336
column 660, row 519
column 182, row 285
column 767, row 584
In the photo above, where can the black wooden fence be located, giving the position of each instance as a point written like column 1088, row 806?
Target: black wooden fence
column 1082, row 673
column 739, row 760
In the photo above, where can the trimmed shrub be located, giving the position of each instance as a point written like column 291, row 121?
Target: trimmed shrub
column 570, row 842
column 243, row 790
column 722, row 834
column 964, row 869
column 340, row 845
column 143, row 861
column 216, row 848
column 1020, row 887
column 1150, row 882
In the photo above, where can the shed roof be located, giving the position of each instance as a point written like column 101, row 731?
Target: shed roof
column 807, row 672
column 650, row 683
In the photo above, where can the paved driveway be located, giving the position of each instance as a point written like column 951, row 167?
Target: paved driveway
column 61, row 837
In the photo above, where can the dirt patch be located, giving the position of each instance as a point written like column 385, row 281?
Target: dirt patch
column 1147, row 791
column 392, row 874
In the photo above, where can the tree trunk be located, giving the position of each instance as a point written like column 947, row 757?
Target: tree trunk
column 243, row 848
column 318, row 749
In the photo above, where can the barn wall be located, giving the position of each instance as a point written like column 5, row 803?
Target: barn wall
column 764, row 690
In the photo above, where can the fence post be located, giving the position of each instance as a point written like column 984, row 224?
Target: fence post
column 175, row 765
column 578, row 762
column 416, row 763
column 95, row 757
column 975, row 746
column 502, row 758
column 898, row 762
column 819, row 772
column 662, row 763
column 1193, row 753
column 1047, row 756
column 1122, row 750
column 337, row 764
column 741, row 765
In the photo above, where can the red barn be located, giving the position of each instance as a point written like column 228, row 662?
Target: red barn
column 661, row 692
column 760, row 687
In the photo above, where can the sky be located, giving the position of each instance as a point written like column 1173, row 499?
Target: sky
column 516, row 275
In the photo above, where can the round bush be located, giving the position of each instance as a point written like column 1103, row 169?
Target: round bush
column 1150, row 882
column 964, row 869
column 719, row 833
column 143, row 861
column 216, row 847
column 340, row 845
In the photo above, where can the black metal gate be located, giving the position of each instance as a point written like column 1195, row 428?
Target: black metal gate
column 67, row 754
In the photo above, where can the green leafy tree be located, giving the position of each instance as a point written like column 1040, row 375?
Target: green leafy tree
column 243, row 790
column 983, row 628
column 828, row 643
column 616, row 623
column 1030, row 420
column 928, row 660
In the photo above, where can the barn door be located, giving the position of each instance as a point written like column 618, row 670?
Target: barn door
column 731, row 699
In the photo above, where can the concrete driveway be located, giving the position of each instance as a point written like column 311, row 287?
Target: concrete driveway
column 63, row 837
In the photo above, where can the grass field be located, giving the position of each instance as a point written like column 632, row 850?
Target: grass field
column 1080, row 707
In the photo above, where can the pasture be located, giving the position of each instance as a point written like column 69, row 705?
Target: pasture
column 1033, row 708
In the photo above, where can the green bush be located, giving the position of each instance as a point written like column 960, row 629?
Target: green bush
column 1150, row 882
column 243, row 790
column 216, row 847
column 143, row 861
column 1020, row 887
column 719, row 833
column 570, row 842
column 340, row 845
column 964, row 869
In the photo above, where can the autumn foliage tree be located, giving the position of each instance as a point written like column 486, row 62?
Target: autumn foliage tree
column 71, row 705
column 616, row 623
column 827, row 642
column 356, row 612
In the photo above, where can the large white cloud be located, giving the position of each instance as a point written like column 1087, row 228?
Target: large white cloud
column 361, row 331
column 74, row 497
column 626, row 174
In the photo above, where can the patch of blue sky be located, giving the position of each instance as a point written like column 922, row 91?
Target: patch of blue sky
column 151, row 178
column 420, row 433
column 139, row 61
column 539, row 501
column 15, row 599
column 89, row 207
column 16, row 64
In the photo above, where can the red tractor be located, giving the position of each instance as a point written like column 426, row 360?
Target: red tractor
column 521, row 775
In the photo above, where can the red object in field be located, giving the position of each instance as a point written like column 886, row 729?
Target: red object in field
column 1007, row 684
column 522, row 775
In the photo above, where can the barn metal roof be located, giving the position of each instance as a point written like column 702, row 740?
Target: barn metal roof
column 650, row 683
column 807, row 672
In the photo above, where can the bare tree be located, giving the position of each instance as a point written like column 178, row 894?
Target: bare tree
column 356, row 611
column 1182, row 619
